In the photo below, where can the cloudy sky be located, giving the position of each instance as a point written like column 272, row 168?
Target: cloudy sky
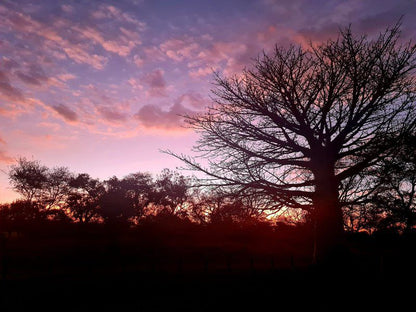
column 98, row 86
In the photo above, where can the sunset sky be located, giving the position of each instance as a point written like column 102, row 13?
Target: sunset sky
column 97, row 86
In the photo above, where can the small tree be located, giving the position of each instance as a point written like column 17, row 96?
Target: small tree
column 302, row 123
column 116, row 207
column 56, row 188
column 28, row 178
column 171, row 192
column 83, row 201
column 44, row 188
column 139, row 189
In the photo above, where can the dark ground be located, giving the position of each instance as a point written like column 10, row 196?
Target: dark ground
column 178, row 271
column 284, row 291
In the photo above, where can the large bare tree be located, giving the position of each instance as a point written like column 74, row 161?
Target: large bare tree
column 301, row 123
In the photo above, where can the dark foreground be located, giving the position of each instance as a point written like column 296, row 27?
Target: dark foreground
column 109, row 273
column 312, row 290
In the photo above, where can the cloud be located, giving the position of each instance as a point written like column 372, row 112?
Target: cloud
column 81, row 56
column 229, row 56
column 113, row 13
column 151, row 116
column 66, row 77
column 4, row 157
column 8, row 64
column 179, row 49
column 7, row 91
column 112, row 116
column 65, row 112
column 153, row 54
column 192, row 100
column 67, row 8
column 102, row 109
column 135, row 84
column 116, row 32
column 26, row 28
column 121, row 46
column 138, row 60
column 34, row 75
column 156, row 83
column 202, row 71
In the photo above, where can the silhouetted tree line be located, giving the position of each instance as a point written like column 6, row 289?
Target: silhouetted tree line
column 59, row 195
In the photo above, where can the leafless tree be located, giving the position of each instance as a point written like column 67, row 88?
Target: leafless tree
column 302, row 122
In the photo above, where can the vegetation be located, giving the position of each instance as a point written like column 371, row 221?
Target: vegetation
column 307, row 128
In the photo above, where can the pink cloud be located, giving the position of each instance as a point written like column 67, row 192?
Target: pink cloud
column 154, row 117
column 80, row 43
column 138, row 60
column 13, row 108
column 231, row 57
column 192, row 100
column 34, row 75
column 135, row 84
column 156, row 83
column 151, row 116
column 65, row 112
column 67, row 8
column 81, row 56
column 179, row 49
column 7, row 91
column 66, row 77
column 100, row 110
column 122, row 46
column 154, row 54
column 9, row 64
column 202, row 71
column 112, row 116
column 111, row 12
column 5, row 158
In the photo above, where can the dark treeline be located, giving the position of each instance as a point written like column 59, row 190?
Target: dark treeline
column 57, row 195
column 147, row 220
column 161, row 239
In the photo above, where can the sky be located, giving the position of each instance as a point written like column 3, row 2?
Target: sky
column 99, row 86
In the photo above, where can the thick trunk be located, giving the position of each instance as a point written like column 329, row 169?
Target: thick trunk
column 329, row 228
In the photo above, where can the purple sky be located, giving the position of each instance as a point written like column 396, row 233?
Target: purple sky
column 98, row 85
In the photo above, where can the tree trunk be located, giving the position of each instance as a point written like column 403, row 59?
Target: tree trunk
column 327, row 215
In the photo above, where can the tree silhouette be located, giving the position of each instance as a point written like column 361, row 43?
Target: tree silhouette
column 218, row 206
column 56, row 187
column 115, row 205
column 170, row 191
column 83, row 201
column 396, row 191
column 19, row 215
column 28, row 178
column 304, row 122
column 44, row 189
column 139, row 188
